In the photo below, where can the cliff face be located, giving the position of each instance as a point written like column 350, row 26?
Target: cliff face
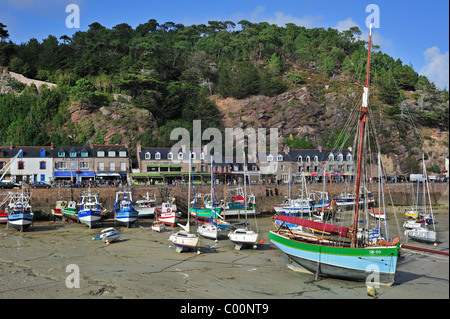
column 312, row 112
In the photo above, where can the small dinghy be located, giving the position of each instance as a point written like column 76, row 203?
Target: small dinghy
column 108, row 235
column 158, row 226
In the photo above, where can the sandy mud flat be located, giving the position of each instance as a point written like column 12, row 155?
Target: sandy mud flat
column 39, row 263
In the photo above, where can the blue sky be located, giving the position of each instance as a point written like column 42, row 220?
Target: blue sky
column 415, row 31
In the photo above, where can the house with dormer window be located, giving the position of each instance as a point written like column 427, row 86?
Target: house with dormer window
column 111, row 162
column 34, row 163
column 73, row 163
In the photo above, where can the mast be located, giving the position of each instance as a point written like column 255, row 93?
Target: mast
column 361, row 140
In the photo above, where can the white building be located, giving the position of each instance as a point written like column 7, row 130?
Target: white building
column 35, row 163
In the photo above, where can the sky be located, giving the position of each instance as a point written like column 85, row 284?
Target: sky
column 416, row 32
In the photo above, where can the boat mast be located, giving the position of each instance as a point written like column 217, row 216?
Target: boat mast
column 361, row 139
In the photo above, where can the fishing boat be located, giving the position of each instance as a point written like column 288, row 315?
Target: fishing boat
column 3, row 216
column 108, row 235
column 124, row 211
column 347, row 253
column 20, row 215
column 238, row 205
column 167, row 214
column 146, row 206
column 70, row 212
column 348, row 200
column 90, row 211
column 57, row 211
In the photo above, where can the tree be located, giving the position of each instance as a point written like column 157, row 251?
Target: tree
column 83, row 91
column 3, row 32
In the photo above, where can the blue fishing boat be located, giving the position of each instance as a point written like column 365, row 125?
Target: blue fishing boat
column 20, row 215
column 90, row 212
column 124, row 211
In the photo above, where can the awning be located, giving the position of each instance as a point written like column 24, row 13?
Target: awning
column 73, row 174
column 108, row 174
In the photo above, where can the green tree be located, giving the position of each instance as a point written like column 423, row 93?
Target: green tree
column 83, row 91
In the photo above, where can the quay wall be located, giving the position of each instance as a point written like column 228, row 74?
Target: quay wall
column 401, row 194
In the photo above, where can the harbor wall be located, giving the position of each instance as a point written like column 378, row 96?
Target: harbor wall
column 401, row 194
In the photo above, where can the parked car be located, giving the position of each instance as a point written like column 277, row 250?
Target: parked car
column 8, row 184
column 39, row 185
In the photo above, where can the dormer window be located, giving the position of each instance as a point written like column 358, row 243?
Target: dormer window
column 170, row 155
column 316, row 159
column 123, row 154
column 158, row 156
column 340, row 158
column 202, row 156
column 112, row 154
column 73, row 154
column 147, row 156
column 180, row 155
column 308, row 159
column 280, row 158
column 193, row 155
column 331, row 157
column 349, row 157
column 84, row 154
column 43, row 153
column 62, row 154
column 100, row 153
column 269, row 158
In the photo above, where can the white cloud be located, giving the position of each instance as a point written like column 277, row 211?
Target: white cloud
column 436, row 67
column 346, row 24
column 281, row 19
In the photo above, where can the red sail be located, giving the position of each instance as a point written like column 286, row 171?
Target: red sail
column 340, row 230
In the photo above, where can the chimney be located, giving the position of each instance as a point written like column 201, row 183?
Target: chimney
column 10, row 146
column 320, row 148
column 51, row 146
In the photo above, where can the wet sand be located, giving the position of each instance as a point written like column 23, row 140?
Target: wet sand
column 144, row 264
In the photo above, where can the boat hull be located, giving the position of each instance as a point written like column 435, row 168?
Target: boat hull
column 170, row 219
column 90, row 217
column 145, row 212
column 126, row 218
column 377, row 264
column 20, row 221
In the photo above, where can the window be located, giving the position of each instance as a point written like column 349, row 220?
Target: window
column 73, row 154
column 267, row 168
column 340, row 157
column 84, row 165
column 254, row 168
column 158, row 155
column 84, row 154
column 42, row 165
column 21, row 165
column 180, row 155
column 101, row 167
column 280, row 158
column 43, row 153
column 300, row 159
column 61, row 154
column 61, row 165
column 148, row 155
column 282, row 168
column 123, row 154
column 202, row 156
column 316, row 159
column 123, row 167
column 308, row 159
column 112, row 167
column 112, row 154
column 331, row 157
column 269, row 158
column 170, row 155
column 193, row 156
column 101, row 154
column 275, row 167
column 349, row 157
